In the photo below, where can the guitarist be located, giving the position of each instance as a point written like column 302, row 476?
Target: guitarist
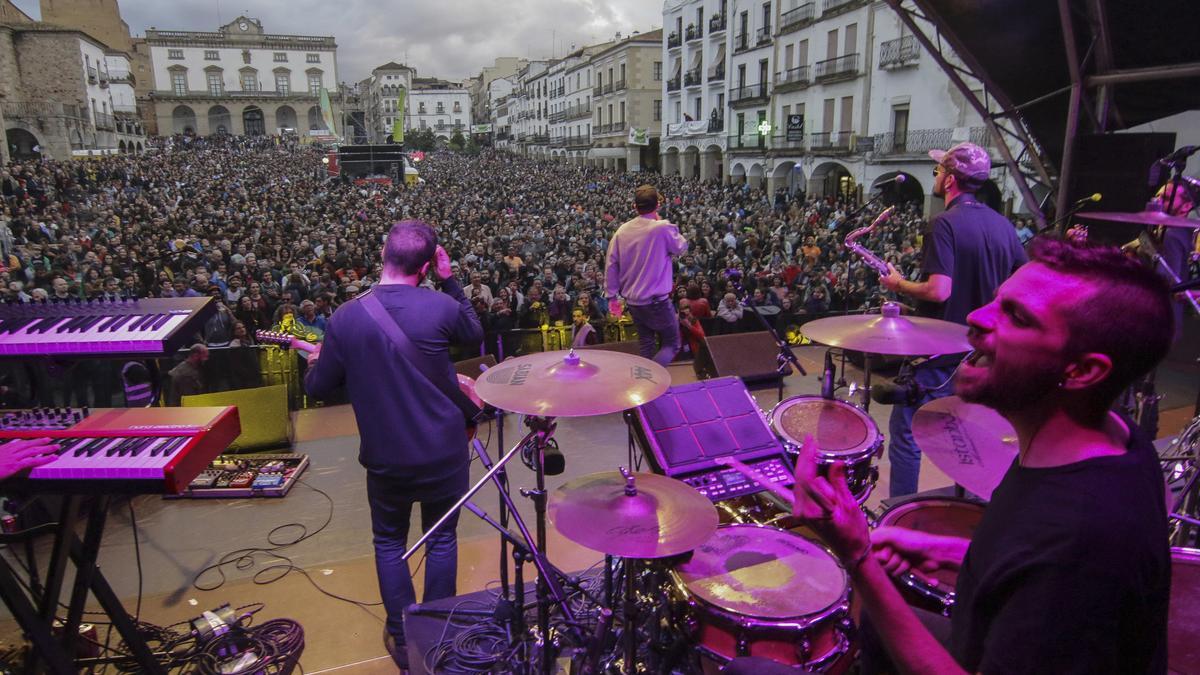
column 413, row 439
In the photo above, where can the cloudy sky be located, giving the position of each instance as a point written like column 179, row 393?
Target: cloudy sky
column 451, row 39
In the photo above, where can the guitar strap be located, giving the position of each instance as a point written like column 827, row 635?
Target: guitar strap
column 390, row 328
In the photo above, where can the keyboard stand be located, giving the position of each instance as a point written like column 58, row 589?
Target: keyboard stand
column 58, row 653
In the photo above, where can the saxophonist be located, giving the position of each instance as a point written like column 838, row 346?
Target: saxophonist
column 968, row 252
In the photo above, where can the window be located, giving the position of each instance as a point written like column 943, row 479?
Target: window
column 176, row 54
column 250, row 81
column 215, row 86
column 622, row 73
column 622, row 112
column 900, row 127
column 657, row 110
column 847, row 115
column 283, row 83
column 212, row 55
column 421, row 108
column 280, row 57
column 441, row 108
column 179, row 83
column 312, row 58
column 314, row 84
column 658, row 71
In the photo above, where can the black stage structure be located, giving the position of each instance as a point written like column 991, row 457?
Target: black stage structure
column 1085, row 67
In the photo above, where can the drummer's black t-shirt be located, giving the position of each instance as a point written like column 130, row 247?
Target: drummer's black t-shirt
column 1069, row 571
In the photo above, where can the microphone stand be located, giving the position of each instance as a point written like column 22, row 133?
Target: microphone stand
column 786, row 355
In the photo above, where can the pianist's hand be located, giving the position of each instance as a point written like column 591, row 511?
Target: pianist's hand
column 24, row 454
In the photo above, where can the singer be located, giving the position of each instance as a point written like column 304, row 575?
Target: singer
column 639, row 269
column 969, row 252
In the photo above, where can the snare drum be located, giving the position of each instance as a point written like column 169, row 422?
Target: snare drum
column 842, row 432
column 935, row 515
column 758, row 591
column 1183, row 627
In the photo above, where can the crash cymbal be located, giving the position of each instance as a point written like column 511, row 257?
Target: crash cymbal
column 889, row 333
column 1141, row 218
column 572, row 384
column 972, row 443
column 664, row 517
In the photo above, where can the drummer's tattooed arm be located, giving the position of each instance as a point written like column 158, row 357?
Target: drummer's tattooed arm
column 832, row 511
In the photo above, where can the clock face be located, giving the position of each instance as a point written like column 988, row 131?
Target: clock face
column 243, row 25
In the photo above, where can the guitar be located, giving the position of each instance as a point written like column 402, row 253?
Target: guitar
column 466, row 384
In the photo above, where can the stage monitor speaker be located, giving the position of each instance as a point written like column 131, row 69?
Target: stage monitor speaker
column 750, row 356
column 624, row 346
column 472, row 367
column 1118, row 167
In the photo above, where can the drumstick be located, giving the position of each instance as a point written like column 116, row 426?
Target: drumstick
column 758, row 477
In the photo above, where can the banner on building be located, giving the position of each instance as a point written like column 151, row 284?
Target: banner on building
column 691, row 128
column 638, row 137
column 327, row 111
column 481, row 129
column 398, row 125
column 795, row 127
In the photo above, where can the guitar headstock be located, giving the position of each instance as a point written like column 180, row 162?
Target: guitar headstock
column 273, row 338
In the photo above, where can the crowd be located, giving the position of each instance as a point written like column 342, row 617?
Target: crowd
column 258, row 226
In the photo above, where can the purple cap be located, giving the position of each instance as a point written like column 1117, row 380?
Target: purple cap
column 965, row 160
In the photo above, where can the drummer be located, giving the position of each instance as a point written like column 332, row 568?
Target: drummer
column 1069, row 570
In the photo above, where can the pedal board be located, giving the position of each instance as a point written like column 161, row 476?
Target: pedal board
column 243, row 476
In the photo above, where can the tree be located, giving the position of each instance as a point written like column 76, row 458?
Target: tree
column 420, row 139
column 457, row 141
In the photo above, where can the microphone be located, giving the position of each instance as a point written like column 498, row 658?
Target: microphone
column 1094, row 197
column 1180, row 154
column 827, row 377
column 897, row 179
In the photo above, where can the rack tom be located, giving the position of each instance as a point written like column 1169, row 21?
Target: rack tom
column 842, row 431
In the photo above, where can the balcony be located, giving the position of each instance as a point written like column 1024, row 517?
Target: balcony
column 831, row 143
column 899, row 52
column 579, row 111
column 693, row 33
column 91, row 75
column 716, row 23
column 104, row 80
column 781, row 143
column 693, row 77
column 841, row 68
column 832, row 8
column 918, row 142
column 717, row 72
column 795, row 19
column 716, row 125
column 597, row 90
column 105, row 121
column 558, row 142
column 673, row 84
column 793, row 79
column 747, row 142
column 762, row 36
column 120, row 77
column 749, row 94
column 608, row 88
column 741, row 42
column 124, row 107
column 539, row 139
column 673, row 40
column 619, row 85
column 605, row 129
column 579, row 141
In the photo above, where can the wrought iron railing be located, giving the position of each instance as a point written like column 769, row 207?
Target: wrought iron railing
column 716, row 23
column 826, row 140
column 898, row 52
column 794, row 18
column 841, row 66
column 694, row 33
column 748, row 92
column 717, row 72
column 763, row 35
column 747, row 141
column 793, row 76
column 692, row 77
column 673, row 84
column 741, row 42
column 674, row 40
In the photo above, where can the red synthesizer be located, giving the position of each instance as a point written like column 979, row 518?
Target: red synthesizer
column 124, row 450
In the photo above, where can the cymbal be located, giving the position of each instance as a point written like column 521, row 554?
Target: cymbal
column 972, row 443
column 666, row 517
column 1141, row 218
column 889, row 333
column 572, row 384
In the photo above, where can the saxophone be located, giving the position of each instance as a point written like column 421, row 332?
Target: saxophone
column 870, row 258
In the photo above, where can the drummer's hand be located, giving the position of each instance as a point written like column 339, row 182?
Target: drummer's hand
column 1077, row 235
column 828, row 506
column 900, row 550
column 892, row 279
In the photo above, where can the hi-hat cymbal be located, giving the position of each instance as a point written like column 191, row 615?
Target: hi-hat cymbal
column 572, row 384
column 972, row 443
column 889, row 333
column 665, row 517
column 1141, row 218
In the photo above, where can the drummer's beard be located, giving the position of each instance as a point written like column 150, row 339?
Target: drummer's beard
column 1008, row 387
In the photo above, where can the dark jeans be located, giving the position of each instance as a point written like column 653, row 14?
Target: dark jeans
column 903, row 452
column 657, row 320
column 391, row 510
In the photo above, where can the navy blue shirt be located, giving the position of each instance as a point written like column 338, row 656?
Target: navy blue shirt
column 409, row 430
column 974, row 246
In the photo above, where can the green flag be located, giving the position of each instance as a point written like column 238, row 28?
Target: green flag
column 398, row 125
column 327, row 111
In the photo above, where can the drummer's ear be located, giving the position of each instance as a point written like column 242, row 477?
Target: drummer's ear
column 1087, row 371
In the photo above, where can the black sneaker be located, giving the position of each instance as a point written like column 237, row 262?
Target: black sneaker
column 398, row 650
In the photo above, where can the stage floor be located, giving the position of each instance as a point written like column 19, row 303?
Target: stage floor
column 179, row 538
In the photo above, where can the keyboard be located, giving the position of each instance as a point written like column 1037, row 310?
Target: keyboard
column 131, row 450
column 102, row 328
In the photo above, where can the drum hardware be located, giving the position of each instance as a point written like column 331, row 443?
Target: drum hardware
column 1182, row 473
